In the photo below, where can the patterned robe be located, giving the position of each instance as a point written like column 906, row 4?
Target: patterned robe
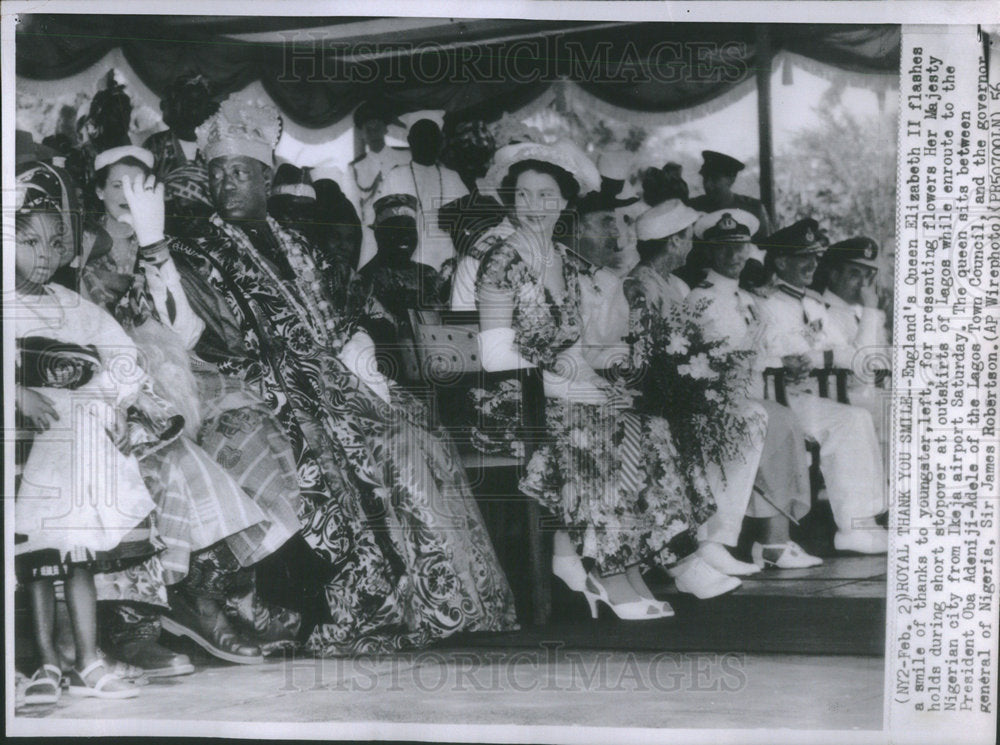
column 386, row 507
column 232, row 429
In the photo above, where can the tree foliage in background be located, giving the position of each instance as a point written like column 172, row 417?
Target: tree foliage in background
column 841, row 172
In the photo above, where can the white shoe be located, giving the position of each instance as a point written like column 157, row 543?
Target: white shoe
column 695, row 576
column 717, row 557
column 872, row 540
column 640, row 609
column 570, row 570
column 790, row 555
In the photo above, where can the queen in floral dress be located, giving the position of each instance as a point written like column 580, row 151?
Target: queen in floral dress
column 610, row 473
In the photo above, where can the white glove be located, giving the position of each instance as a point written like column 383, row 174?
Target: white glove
column 358, row 356
column 146, row 208
column 497, row 351
column 573, row 379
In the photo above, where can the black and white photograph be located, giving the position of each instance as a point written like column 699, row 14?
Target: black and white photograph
column 495, row 378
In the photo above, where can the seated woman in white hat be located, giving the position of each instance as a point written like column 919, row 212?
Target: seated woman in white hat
column 609, row 473
column 665, row 239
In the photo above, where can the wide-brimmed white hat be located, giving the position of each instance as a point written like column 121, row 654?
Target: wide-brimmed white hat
column 563, row 154
column 665, row 220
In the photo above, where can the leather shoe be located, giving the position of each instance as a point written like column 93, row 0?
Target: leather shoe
column 271, row 640
column 210, row 631
column 155, row 660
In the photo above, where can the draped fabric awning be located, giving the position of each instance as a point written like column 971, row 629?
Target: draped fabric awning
column 319, row 69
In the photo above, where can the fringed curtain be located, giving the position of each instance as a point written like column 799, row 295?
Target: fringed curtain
column 657, row 68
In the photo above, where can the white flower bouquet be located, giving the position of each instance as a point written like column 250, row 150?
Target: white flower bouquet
column 699, row 385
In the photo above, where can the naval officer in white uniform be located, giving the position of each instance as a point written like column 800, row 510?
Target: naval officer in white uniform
column 797, row 335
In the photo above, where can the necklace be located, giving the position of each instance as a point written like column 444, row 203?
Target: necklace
column 416, row 187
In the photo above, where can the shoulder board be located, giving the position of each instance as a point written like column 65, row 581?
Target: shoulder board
column 704, row 285
column 813, row 295
column 791, row 292
column 764, row 291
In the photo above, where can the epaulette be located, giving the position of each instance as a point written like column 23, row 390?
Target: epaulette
column 792, row 292
column 813, row 295
column 704, row 285
column 763, row 291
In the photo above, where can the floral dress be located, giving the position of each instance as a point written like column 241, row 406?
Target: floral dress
column 611, row 476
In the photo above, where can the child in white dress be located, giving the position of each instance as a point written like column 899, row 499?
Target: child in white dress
column 81, row 503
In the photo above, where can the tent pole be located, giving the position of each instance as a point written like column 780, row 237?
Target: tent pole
column 765, row 58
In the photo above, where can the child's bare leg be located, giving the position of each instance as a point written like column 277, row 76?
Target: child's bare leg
column 43, row 613
column 81, row 599
column 776, row 530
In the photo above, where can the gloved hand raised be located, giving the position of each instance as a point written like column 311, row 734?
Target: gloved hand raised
column 146, row 208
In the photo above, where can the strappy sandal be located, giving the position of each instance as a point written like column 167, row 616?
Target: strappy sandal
column 108, row 685
column 788, row 555
column 127, row 672
column 43, row 688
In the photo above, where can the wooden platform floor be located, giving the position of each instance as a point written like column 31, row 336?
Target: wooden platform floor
column 723, row 663
column 522, row 687
column 836, row 608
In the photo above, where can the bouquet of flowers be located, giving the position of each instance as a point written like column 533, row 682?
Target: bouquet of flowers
column 699, row 385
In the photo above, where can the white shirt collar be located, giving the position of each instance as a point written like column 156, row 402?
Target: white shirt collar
column 725, row 283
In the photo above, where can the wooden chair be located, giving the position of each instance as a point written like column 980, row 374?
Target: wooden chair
column 447, row 347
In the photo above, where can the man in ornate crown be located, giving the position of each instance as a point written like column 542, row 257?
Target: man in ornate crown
column 399, row 556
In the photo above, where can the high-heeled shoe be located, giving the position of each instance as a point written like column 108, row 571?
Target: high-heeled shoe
column 570, row 570
column 640, row 609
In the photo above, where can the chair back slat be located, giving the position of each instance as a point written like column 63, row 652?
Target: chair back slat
column 445, row 351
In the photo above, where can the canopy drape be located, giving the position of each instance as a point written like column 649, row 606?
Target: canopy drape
column 319, row 69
